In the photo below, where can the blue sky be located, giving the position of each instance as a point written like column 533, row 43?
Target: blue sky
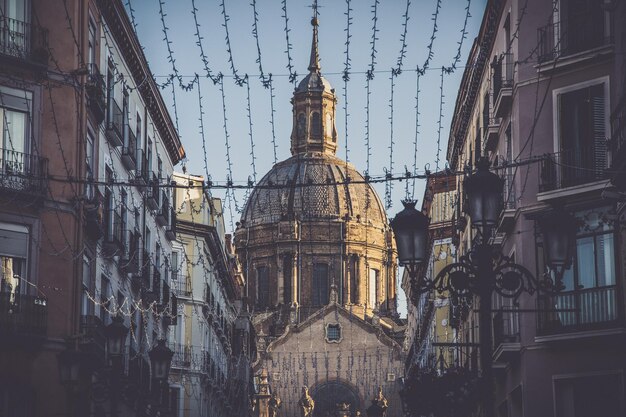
column 181, row 31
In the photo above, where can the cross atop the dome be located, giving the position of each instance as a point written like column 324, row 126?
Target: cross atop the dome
column 314, row 62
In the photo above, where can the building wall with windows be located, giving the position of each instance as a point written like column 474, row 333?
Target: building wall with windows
column 90, row 231
column 541, row 94
column 211, row 367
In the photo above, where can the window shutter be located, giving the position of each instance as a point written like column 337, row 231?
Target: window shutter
column 599, row 131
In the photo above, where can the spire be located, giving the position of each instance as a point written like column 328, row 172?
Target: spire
column 314, row 63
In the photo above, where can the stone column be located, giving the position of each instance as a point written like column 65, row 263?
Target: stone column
column 347, row 278
column 361, row 281
column 280, row 279
column 294, row 279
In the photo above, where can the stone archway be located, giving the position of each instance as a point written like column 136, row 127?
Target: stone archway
column 329, row 393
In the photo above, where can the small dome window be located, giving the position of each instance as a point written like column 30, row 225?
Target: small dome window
column 301, row 126
column 316, row 124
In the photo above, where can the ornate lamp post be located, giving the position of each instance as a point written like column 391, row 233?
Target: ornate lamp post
column 115, row 342
column 483, row 270
column 160, row 362
column 116, row 337
column 71, row 370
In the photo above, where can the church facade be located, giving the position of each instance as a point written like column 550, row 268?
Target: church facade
column 320, row 267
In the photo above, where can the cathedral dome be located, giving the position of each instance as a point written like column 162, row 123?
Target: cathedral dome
column 313, row 186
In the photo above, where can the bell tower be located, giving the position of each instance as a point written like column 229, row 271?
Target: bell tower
column 314, row 107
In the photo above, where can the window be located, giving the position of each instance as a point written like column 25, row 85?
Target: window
column 588, row 396
column 86, row 308
column 263, row 286
column 333, row 333
column 582, row 25
column 590, row 283
column 373, row 284
column 582, row 135
column 301, row 128
column 319, row 293
column 91, row 42
column 124, row 209
column 138, row 139
column 89, row 165
column 13, row 256
column 125, row 126
column 316, row 124
column 15, row 123
column 110, row 91
column 105, row 298
column 175, row 266
column 149, row 155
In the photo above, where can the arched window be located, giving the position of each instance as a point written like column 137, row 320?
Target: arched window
column 316, row 124
column 301, row 125
column 319, row 290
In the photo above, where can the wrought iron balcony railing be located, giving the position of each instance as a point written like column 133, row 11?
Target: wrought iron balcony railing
column 505, row 328
column 503, row 67
column 22, row 172
column 573, row 167
column 23, row 40
column 572, row 311
column 568, row 37
column 22, row 315
column 182, row 356
column 113, row 231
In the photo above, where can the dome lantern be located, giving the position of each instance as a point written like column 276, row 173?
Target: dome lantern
column 314, row 105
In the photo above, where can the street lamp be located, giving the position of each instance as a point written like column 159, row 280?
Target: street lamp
column 484, row 197
column 69, row 367
column 116, row 337
column 160, row 360
column 483, row 270
column 411, row 230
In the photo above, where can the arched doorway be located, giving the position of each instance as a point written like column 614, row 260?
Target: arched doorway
column 328, row 394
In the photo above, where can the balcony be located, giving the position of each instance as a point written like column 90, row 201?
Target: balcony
column 93, row 217
column 182, row 286
column 92, row 339
column 96, row 93
column 23, row 174
column 573, row 169
column 113, row 236
column 129, row 262
column 579, row 310
column 506, row 335
column 152, row 193
column 182, row 356
column 579, row 39
column 129, row 151
column 617, row 145
column 509, row 204
column 23, row 319
column 503, row 68
column 492, row 133
column 115, row 124
column 23, row 41
column 141, row 169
